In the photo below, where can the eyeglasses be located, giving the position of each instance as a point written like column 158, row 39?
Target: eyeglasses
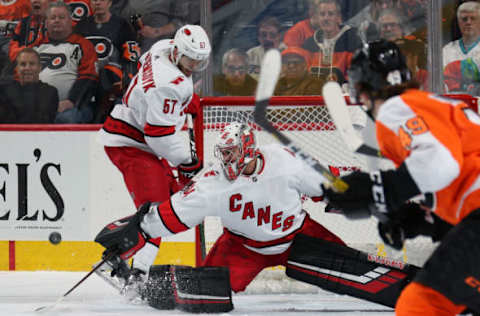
column 467, row 18
column 293, row 62
column 390, row 25
column 327, row 13
column 265, row 34
column 240, row 69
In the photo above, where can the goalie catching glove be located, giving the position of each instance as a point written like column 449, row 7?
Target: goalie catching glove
column 376, row 193
column 124, row 237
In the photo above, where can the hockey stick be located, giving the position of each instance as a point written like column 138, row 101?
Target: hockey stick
column 61, row 298
column 269, row 73
column 193, row 152
column 337, row 108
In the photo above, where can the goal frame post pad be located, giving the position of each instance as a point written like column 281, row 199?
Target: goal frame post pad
column 344, row 270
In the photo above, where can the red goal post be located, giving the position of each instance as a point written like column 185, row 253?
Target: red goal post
column 305, row 119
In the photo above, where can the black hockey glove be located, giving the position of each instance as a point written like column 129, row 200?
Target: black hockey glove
column 124, row 237
column 409, row 221
column 375, row 193
column 188, row 171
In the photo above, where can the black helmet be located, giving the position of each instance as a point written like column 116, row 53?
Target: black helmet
column 377, row 65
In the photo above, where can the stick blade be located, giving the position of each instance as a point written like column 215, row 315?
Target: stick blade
column 337, row 108
column 269, row 73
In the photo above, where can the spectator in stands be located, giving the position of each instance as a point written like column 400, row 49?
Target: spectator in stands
column 160, row 19
column 295, row 79
column 333, row 44
column 11, row 12
column 31, row 30
column 27, row 99
column 466, row 49
column 269, row 36
column 68, row 62
column 117, row 53
column 391, row 24
column 297, row 34
column 234, row 79
column 367, row 28
column 79, row 10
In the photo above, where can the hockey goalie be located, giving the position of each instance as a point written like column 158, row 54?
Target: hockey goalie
column 257, row 192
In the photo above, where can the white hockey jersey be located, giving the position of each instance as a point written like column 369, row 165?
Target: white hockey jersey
column 456, row 50
column 264, row 209
column 152, row 110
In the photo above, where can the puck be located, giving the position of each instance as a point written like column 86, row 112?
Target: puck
column 55, row 238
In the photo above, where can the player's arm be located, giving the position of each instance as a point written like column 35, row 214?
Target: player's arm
column 430, row 166
column 184, row 210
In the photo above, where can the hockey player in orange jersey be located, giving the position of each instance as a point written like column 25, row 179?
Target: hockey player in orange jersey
column 435, row 146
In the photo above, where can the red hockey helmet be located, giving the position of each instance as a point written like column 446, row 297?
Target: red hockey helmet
column 235, row 148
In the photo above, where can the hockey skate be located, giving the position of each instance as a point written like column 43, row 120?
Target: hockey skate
column 128, row 282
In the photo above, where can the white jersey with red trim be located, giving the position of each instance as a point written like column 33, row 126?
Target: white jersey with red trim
column 152, row 110
column 264, row 209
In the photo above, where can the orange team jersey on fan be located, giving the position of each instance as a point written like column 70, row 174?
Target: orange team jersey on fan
column 297, row 34
column 14, row 10
column 438, row 140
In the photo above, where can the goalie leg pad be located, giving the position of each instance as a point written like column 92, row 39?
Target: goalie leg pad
column 344, row 270
column 194, row 290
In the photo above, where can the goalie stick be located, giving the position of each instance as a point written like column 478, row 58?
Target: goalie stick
column 200, row 231
column 61, row 298
column 337, row 108
column 269, row 73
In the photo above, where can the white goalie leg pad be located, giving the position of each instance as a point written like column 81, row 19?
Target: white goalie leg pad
column 145, row 257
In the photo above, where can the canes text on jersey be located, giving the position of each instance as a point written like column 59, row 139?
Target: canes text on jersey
column 263, row 214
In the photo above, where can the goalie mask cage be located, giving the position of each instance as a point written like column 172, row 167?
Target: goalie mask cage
column 306, row 121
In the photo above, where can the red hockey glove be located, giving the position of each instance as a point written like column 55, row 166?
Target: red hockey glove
column 188, row 171
column 124, row 237
column 194, row 106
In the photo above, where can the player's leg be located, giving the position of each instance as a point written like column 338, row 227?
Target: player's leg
column 147, row 179
column 244, row 264
column 314, row 229
column 452, row 273
column 417, row 299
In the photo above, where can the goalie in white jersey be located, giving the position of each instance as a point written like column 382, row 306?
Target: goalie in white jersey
column 257, row 193
column 141, row 135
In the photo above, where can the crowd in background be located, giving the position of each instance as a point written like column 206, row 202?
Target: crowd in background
column 70, row 62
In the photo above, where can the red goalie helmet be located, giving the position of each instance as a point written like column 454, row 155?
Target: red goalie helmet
column 235, row 148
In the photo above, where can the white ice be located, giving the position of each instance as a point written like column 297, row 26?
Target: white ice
column 22, row 292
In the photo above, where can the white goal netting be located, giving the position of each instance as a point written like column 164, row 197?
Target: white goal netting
column 307, row 123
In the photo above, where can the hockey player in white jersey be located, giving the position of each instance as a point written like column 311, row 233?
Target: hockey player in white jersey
column 256, row 191
column 141, row 134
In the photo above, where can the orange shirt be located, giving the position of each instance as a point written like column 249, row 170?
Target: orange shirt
column 14, row 10
column 438, row 140
column 297, row 34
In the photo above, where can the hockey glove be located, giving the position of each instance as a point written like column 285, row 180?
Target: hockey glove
column 409, row 221
column 188, row 171
column 124, row 237
column 374, row 193
column 193, row 107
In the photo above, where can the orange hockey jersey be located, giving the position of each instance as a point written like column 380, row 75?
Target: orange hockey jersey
column 438, row 140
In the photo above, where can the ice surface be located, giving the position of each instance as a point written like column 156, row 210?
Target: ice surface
column 22, row 292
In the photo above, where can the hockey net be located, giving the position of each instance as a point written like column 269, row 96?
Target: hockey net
column 306, row 121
